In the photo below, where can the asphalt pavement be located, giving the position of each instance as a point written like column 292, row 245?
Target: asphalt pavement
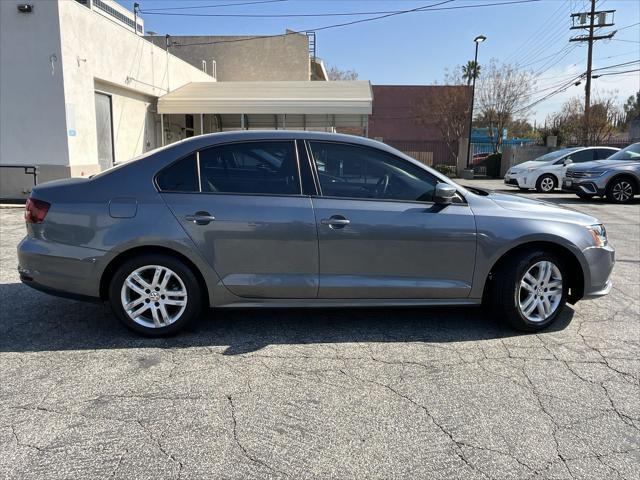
column 326, row 394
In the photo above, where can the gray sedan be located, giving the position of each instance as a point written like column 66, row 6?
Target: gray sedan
column 302, row 219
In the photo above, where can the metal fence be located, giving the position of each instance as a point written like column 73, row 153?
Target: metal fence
column 429, row 153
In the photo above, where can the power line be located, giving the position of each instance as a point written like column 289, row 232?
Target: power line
column 615, row 73
column 353, row 22
column 215, row 6
column 537, row 33
column 334, row 14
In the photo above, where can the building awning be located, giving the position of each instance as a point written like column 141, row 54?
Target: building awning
column 339, row 98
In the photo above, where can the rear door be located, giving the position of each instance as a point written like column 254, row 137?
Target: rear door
column 380, row 234
column 242, row 205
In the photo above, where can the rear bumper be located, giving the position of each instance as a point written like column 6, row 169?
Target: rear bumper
column 58, row 269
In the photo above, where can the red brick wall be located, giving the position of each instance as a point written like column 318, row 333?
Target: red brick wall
column 393, row 115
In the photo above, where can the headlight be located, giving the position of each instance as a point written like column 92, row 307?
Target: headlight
column 593, row 174
column 599, row 234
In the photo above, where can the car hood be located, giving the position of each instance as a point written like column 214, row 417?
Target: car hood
column 601, row 164
column 540, row 209
column 529, row 164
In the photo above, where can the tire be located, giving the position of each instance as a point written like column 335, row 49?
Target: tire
column 508, row 300
column 170, row 307
column 621, row 190
column 547, row 183
column 585, row 196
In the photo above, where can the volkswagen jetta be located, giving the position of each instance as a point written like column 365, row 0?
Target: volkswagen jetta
column 302, row 219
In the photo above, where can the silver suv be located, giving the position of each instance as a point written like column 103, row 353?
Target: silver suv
column 617, row 178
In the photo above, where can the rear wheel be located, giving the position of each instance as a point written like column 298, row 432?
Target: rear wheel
column 155, row 295
column 529, row 290
column 621, row 190
column 546, row 183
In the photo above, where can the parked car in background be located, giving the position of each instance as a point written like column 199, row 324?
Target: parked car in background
column 302, row 219
column 545, row 173
column 479, row 157
column 617, row 178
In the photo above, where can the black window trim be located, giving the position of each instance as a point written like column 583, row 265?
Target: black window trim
column 200, row 192
column 321, row 195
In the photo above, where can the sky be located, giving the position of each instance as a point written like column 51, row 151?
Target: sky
column 416, row 48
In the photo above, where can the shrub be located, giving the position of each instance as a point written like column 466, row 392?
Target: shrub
column 448, row 170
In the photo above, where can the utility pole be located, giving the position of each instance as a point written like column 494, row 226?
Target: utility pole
column 579, row 21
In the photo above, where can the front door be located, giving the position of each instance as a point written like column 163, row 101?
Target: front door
column 246, row 213
column 104, row 130
column 380, row 234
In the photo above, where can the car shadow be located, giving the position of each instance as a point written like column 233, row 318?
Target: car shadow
column 31, row 321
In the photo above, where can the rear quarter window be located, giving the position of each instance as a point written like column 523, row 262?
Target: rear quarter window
column 182, row 176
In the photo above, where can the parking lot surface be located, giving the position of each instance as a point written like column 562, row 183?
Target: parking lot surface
column 345, row 393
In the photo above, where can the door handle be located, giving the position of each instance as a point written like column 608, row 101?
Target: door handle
column 335, row 221
column 200, row 218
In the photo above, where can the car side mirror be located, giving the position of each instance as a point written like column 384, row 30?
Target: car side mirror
column 444, row 193
column 568, row 161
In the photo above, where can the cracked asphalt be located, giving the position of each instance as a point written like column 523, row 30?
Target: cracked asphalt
column 348, row 393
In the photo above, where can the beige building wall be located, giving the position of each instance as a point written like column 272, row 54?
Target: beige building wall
column 98, row 54
column 238, row 59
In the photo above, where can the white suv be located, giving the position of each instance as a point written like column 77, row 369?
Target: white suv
column 545, row 173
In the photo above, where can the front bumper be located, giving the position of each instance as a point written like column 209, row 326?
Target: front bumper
column 600, row 262
column 58, row 269
column 581, row 186
column 520, row 180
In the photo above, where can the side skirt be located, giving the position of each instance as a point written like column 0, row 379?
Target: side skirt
column 339, row 302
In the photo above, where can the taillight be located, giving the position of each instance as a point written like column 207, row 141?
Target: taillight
column 36, row 210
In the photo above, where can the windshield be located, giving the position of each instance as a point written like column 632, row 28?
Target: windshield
column 551, row 156
column 632, row 152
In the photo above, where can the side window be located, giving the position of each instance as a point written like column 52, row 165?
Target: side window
column 360, row 172
column 182, row 176
column 602, row 153
column 582, row 156
column 251, row 167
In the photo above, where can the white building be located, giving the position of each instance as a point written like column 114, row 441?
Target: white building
column 78, row 89
column 82, row 89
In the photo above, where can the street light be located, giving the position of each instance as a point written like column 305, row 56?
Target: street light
column 478, row 40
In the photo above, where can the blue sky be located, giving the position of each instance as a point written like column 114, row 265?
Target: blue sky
column 416, row 48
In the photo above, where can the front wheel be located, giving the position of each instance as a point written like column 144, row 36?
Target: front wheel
column 529, row 290
column 546, row 183
column 621, row 190
column 155, row 295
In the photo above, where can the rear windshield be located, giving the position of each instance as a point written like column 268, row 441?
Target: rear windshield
column 632, row 152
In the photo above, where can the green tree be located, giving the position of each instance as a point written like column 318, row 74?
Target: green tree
column 470, row 71
column 631, row 108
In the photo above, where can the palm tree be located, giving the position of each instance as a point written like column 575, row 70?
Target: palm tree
column 470, row 71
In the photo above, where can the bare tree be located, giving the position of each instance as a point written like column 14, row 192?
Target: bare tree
column 335, row 73
column 504, row 92
column 602, row 120
column 447, row 109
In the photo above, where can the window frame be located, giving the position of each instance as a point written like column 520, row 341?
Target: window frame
column 320, row 194
column 197, row 151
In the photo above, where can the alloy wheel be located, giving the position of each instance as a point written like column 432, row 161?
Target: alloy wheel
column 153, row 296
column 547, row 184
column 622, row 191
column 540, row 291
